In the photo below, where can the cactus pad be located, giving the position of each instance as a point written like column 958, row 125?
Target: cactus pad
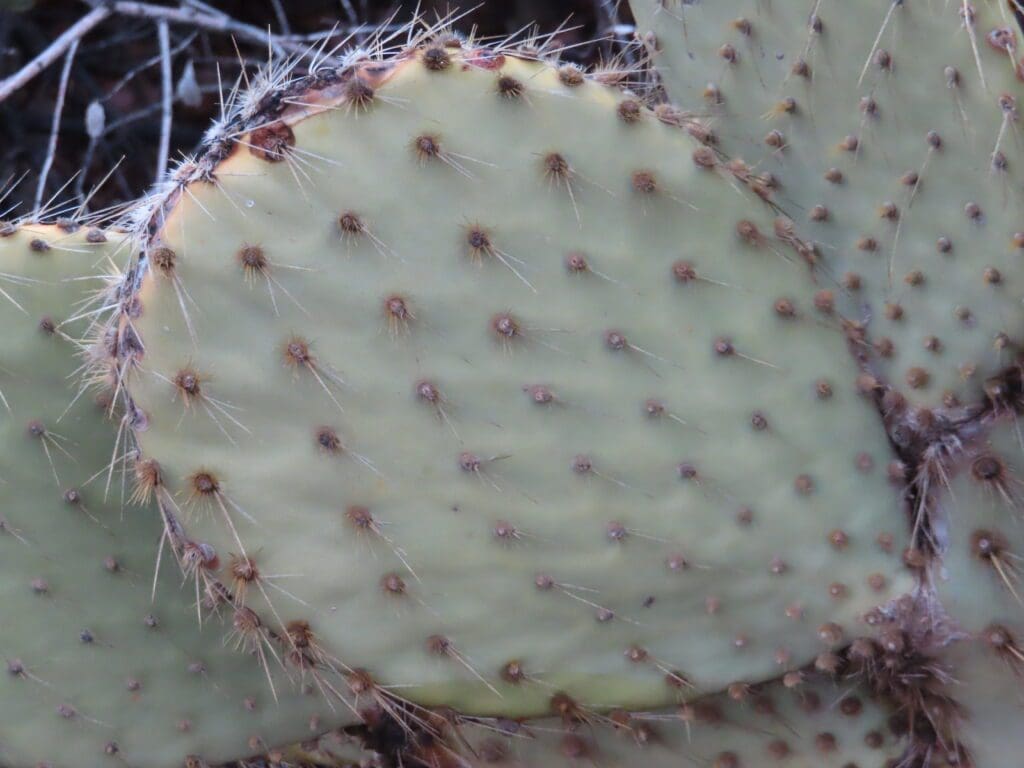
column 988, row 690
column 492, row 382
column 892, row 129
column 96, row 672
column 980, row 588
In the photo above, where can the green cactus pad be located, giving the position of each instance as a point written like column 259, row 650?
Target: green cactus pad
column 988, row 689
column 96, row 672
column 980, row 579
column 893, row 131
column 979, row 588
column 481, row 364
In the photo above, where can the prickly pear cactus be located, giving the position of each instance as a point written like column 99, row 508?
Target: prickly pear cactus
column 493, row 414
column 979, row 581
column 987, row 689
column 899, row 157
column 892, row 130
column 981, row 590
column 98, row 668
column 493, row 389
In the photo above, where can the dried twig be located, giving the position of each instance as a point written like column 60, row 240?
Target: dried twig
column 282, row 17
column 163, row 33
column 135, row 71
column 58, row 109
column 202, row 29
column 205, row 20
column 350, row 12
column 54, row 51
column 618, row 32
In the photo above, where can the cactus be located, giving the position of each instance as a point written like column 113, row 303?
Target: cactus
column 98, row 667
column 895, row 153
column 981, row 592
column 520, row 420
column 979, row 585
column 517, row 402
column 988, row 693
column 900, row 155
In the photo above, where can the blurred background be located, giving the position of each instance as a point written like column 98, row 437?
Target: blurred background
column 114, row 77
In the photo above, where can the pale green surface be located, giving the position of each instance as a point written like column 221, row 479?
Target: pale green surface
column 45, row 538
column 976, row 597
column 467, row 585
column 922, row 38
column 989, row 690
column 970, row 587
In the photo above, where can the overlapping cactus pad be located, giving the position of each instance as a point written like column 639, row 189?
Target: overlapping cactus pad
column 500, row 398
column 980, row 582
column 893, row 130
column 980, row 587
column 988, row 669
column 99, row 669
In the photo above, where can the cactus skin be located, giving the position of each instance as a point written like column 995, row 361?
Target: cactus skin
column 988, row 678
column 979, row 585
column 89, row 679
column 247, row 467
column 982, row 504
column 918, row 220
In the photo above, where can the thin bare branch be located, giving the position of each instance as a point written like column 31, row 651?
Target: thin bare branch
column 163, row 33
column 54, row 51
column 195, row 18
column 58, row 109
column 282, row 17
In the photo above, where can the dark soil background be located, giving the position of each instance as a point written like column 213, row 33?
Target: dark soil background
column 117, row 69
